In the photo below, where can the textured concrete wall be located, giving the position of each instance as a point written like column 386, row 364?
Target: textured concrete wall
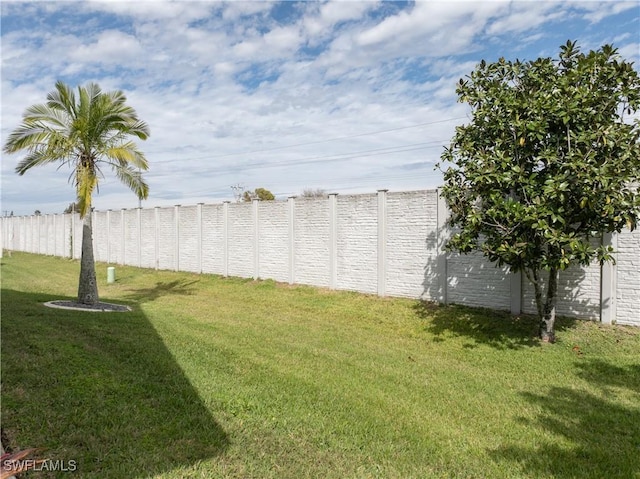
column 384, row 243
column 241, row 240
column 131, row 238
column 166, row 229
column 357, row 236
column 627, row 281
column 213, row 239
column 273, row 240
column 312, row 242
column 116, row 233
column 474, row 281
column 100, row 223
column 148, row 234
column 189, row 239
column 412, row 245
column 582, row 302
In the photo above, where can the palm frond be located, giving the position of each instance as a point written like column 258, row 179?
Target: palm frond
column 86, row 183
column 93, row 90
column 132, row 178
column 25, row 137
column 140, row 129
column 83, row 129
column 46, row 115
column 126, row 154
column 38, row 157
column 63, row 99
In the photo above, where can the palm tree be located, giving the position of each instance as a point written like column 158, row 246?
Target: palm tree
column 85, row 132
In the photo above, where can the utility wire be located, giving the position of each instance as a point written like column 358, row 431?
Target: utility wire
column 327, row 140
column 313, row 159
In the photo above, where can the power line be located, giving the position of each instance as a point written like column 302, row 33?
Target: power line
column 317, row 142
column 303, row 161
column 315, row 159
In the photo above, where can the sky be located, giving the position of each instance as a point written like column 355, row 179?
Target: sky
column 343, row 96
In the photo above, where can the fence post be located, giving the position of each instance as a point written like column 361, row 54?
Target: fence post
column 382, row 242
column 442, row 232
column 123, row 233
column 292, row 239
column 176, row 237
column 46, row 233
column 72, row 235
column 608, row 283
column 199, row 233
column 139, row 220
column 108, row 236
column 38, row 229
column 256, row 239
column 69, row 217
column 333, row 240
column 225, row 239
column 156, row 252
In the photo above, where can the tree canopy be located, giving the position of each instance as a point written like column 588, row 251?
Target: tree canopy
column 261, row 194
column 86, row 132
column 549, row 162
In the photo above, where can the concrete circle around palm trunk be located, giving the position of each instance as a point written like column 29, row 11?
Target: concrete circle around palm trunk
column 98, row 308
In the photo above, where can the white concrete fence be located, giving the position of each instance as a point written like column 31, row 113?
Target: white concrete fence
column 390, row 244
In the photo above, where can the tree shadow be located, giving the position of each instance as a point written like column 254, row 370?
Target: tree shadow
column 99, row 389
column 598, row 435
column 473, row 285
column 608, row 376
column 480, row 326
column 146, row 295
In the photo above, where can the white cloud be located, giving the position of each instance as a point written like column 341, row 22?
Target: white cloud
column 236, row 10
column 109, row 46
column 321, row 20
column 152, row 10
column 525, row 16
column 345, row 96
column 597, row 11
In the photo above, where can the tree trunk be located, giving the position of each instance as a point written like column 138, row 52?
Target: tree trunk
column 546, row 307
column 88, row 286
column 535, row 280
column 548, row 319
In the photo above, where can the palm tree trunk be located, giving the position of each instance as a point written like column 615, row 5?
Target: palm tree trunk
column 87, row 285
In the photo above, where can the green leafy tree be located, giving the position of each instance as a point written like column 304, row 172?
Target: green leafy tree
column 549, row 162
column 86, row 132
column 258, row 194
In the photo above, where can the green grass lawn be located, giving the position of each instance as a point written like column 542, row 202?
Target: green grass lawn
column 210, row 377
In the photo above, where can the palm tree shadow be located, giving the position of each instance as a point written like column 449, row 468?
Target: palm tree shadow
column 498, row 329
column 111, row 395
column 599, row 433
column 145, row 295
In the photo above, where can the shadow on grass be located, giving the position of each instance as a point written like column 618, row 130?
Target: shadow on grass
column 599, row 434
column 498, row 329
column 146, row 295
column 99, row 389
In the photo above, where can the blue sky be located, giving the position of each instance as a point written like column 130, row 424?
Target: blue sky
column 346, row 96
